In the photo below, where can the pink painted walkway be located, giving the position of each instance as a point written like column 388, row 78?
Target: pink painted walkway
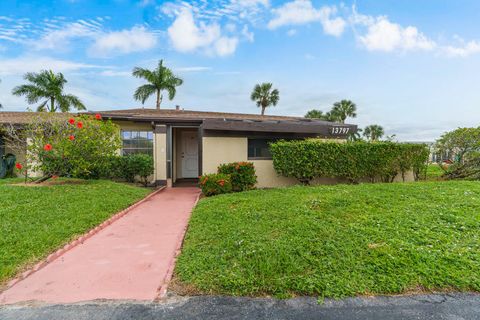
column 128, row 260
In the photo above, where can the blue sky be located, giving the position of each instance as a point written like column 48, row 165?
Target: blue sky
column 411, row 66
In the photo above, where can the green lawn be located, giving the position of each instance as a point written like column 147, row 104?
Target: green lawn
column 335, row 241
column 34, row 221
column 434, row 172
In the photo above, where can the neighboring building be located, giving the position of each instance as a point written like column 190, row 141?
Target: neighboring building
column 186, row 144
column 436, row 156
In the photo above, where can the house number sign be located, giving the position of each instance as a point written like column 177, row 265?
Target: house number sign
column 339, row 130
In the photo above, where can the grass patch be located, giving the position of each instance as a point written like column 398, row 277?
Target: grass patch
column 336, row 241
column 37, row 220
column 434, row 172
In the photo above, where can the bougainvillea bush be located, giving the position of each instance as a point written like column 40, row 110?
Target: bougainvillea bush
column 242, row 175
column 78, row 147
column 215, row 183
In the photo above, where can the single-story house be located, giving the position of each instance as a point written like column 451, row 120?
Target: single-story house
column 186, row 144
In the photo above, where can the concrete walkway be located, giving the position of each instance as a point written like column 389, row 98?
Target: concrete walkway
column 128, row 260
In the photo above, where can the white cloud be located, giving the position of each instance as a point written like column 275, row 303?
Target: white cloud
column 136, row 39
column 247, row 10
column 380, row 34
column 383, row 35
column 192, row 69
column 115, row 73
column 14, row 30
column 291, row 32
column 188, row 36
column 250, row 3
column 225, row 46
column 464, row 50
column 59, row 34
column 247, row 34
column 59, row 39
column 19, row 66
column 300, row 12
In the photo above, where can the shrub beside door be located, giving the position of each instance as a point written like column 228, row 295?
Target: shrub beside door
column 235, row 176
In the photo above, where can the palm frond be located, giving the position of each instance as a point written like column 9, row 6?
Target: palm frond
column 31, row 92
column 67, row 101
column 143, row 74
column 144, row 92
column 42, row 106
column 171, row 92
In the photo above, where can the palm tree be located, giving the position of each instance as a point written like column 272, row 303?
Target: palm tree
column 319, row 114
column 49, row 86
column 265, row 96
column 356, row 136
column 373, row 132
column 344, row 109
column 315, row 114
column 162, row 78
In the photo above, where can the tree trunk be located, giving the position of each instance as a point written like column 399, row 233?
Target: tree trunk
column 43, row 179
column 263, row 110
column 159, row 99
column 52, row 104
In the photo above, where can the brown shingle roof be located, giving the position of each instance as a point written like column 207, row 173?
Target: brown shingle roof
column 17, row 117
column 187, row 114
column 20, row 117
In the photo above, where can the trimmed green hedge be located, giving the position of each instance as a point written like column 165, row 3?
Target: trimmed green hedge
column 353, row 161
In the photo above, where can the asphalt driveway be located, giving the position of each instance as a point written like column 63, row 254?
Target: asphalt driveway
column 438, row 307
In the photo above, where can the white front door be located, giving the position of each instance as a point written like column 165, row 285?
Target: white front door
column 189, row 154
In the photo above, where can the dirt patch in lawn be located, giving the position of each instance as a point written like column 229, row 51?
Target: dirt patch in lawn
column 180, row 288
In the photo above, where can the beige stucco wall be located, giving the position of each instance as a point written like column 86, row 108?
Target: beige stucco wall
column 268, row 178
column 129, row 125
column 218, row 150
column 160, row 155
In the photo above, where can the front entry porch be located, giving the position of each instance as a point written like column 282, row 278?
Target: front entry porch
column 185, row 156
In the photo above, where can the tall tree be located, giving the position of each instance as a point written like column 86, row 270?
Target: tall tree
column 460, row 142
column 49, row 86
column 344, row 109
column 373, row 132
column 265, row 96
column 319, row 114
column 160, row 79
column 355, row 136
